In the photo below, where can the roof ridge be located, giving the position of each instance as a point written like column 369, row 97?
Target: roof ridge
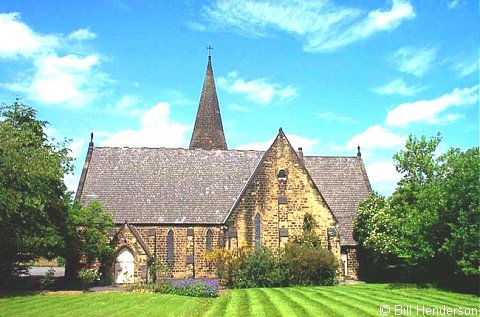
column 175, row 148
column 332, row 156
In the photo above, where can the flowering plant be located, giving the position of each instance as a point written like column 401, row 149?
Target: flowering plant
column 88, row 275
column 196, row 288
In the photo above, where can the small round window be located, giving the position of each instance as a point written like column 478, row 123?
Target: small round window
column 282, row 174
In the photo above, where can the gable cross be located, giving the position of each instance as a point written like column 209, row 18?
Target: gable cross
column 210, row 49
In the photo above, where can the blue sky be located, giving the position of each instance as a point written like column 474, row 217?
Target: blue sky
column 333, row 74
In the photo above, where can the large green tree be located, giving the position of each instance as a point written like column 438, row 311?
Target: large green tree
column 33, row 196
column 38, row 216
column 429, row 229
column 459, row 216
column 86, row 236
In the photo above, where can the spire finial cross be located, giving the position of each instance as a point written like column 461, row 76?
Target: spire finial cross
column 210, row 49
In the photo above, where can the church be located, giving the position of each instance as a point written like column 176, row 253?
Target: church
column 175, row 204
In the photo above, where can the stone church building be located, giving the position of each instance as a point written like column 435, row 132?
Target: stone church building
column 175, row 204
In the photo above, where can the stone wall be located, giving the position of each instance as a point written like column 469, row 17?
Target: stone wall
column 352, row 262
column 126, row 238
column 189, row 248
column 281, row 192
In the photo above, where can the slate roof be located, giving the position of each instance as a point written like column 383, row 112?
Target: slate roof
column 208, row 129
column 344, row 184
column 180, row 186
column 162, row 185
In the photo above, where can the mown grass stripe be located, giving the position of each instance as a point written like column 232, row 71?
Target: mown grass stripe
column 348, row 300
column 457, row 297
column 238, row 305
column 267, row 306
column 320, row 309
column 397, row 297
column 355, row 309
column 402, row 297
column 38, row 306
column 255, row 307
column 283, row 304
column 391, row 299
column 449, row 298
column 297, row 308
column 219, row 306
column 366, row 294
column 370, row 301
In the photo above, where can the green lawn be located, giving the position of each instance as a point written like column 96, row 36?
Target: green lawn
column 351, row 300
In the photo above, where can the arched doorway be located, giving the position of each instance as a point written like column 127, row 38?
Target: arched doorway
column 124, row 267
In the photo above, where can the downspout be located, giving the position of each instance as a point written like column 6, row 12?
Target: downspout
column 193, row 249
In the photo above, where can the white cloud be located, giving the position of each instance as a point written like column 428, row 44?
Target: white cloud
column 331, row 116
column 17, row 39
column 454, row 4
column 383, row 176
column 238, row 108
column 156, row 130
column 81, row 35
column 256, row 90
column 69, row 80
column 376, row 137
column 466, row 67
column 323, row 25
column 127, row 102
column 197, row 26
column 414, row 60
column 398, row 86
column 295, row 140
column 429, row 111
column 54, row 78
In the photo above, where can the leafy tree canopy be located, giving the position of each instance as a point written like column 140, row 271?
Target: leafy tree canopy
column 429, row 229
column 33, row 198
column 37, row 214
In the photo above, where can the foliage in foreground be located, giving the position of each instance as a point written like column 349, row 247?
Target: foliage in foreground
column 188, row 287
column 37, row 214
column 33, row 198
column 303, row 261
column 87, row 237
column 88, row 275
column 429, row 229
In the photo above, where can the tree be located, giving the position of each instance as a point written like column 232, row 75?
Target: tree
column 460, row 213
column 376, row 230
column 33, row 198
column 86, row 236
column 38, row 216
column 429, row 229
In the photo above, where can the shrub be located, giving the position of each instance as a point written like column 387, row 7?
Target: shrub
column 88, row 275
column 188, row 287
column 227, row 263
column 61, row 261
column 162, row 288
column 157, row 268
column 195, row 288
column 141, row 288
column 310, row 266
column 48, row 279
column 261, row 268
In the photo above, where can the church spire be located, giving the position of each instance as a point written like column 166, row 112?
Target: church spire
column 208, row 130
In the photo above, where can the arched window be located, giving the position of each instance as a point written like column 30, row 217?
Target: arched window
column 209, row 240
column 258, row 231
column 170, row 247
